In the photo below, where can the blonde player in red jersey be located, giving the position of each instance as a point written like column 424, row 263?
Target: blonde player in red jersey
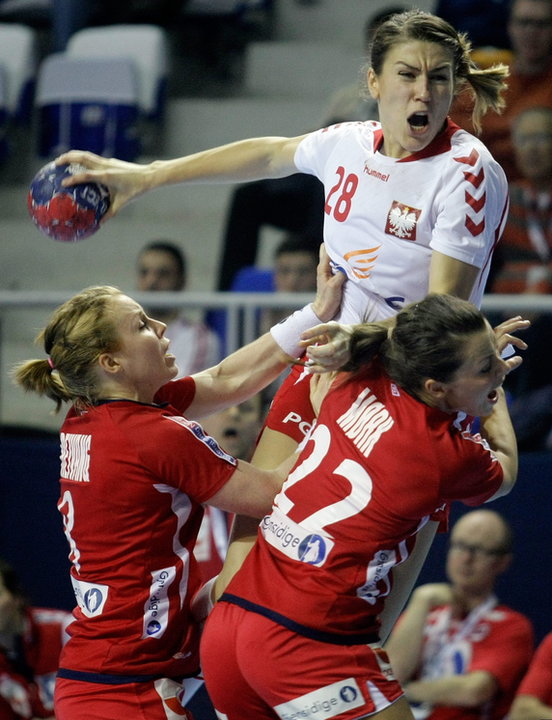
column 134, row 476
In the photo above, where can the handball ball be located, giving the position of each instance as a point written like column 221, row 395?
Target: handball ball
column 66, row 213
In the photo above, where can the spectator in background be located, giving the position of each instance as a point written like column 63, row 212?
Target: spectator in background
column 524, row 265
column 31, row 639
column 295, row 262
column 533, row 699
column 161, row 266
column 294, row 203
column 529, row 83
column 457, row 651
column 524, row 255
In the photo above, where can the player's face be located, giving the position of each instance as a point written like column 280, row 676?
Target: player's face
column 530, row 30
column 414, row 91
column 533, row 145
column 474, row 387
column 237, row 427
column 143, row 359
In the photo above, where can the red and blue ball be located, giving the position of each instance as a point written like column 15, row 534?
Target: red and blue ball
column 67, row 214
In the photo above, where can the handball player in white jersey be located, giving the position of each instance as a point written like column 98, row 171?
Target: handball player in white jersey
column 413, row 204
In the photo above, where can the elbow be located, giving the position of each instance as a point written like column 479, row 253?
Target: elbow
column 481, row 691
column 505, row 488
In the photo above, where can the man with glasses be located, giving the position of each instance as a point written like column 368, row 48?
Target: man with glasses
column 529, row 84
column 457, row 651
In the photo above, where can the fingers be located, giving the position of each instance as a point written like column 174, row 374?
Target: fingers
column 87, row 160
column 513, row 340
column 504, row 336
column 512, row 325
column 327, row 346
column 513, row 362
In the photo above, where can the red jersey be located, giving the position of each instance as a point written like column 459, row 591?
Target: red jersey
column 376, row 466
column 133, row 477
column 27, row 675
column 492, row 638
column 538, row 680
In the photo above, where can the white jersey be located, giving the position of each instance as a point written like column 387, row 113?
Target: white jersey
column 385, row 216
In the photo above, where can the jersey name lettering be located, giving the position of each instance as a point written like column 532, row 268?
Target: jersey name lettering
column 365, row 421
column 75, row 457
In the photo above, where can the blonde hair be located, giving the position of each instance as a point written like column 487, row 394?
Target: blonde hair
column 486, row 84
column 78, row 332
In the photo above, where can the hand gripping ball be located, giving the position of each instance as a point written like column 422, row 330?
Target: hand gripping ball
column 66, row 213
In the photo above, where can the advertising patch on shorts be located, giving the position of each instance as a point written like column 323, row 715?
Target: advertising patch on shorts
column 295, row 541
column 326, row 702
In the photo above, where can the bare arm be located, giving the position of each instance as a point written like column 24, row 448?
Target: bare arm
column 404, row 646
column 252, row 159
column 451, row 276
column 498, row 431
column 528, row 707
column 404, row 578
column 251, row 490
column 470, row 690
column 272, row 449
column 253, row 367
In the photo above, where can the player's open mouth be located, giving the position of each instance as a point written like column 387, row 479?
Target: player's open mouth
column 493, row 396
column 418, row 121
column 230, row 432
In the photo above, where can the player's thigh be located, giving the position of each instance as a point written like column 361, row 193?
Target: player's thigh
column 295, row 675
column 151, row 700
column 230, row 693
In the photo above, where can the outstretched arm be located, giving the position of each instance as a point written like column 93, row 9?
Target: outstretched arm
column 253, row 159
column 253, row 367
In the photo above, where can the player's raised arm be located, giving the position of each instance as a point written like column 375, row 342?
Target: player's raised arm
column 244, row 160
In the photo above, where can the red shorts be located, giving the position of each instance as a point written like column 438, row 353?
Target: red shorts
column 255, row 668
column 150, row 700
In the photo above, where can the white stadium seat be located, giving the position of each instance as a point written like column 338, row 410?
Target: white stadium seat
column 145, row 45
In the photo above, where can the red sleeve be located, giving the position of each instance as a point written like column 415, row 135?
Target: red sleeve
column 291, row 412
column 179, row 393
column 538, row 680
column 474, row 473
column 179, row 451
column 506, row 651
